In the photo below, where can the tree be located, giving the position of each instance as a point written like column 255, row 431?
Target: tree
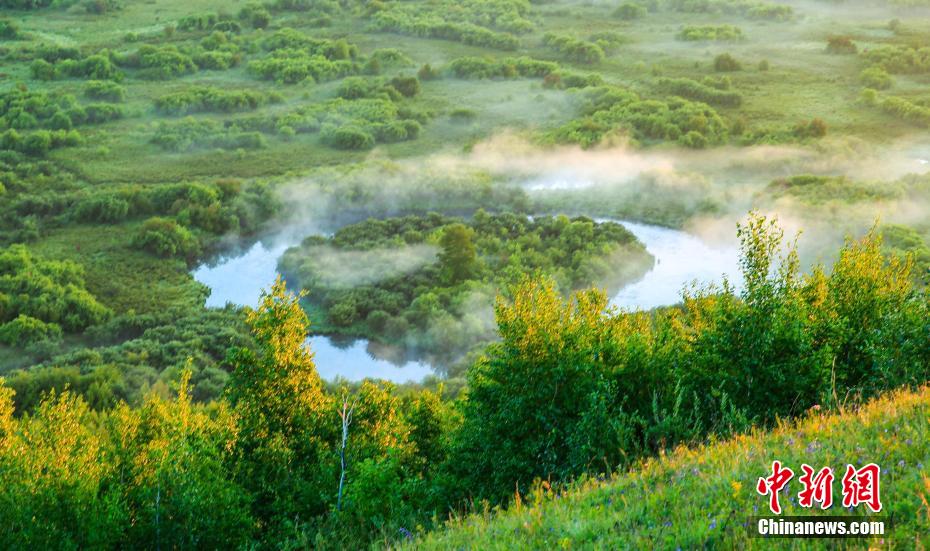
column 284, row 417
column 345, row 414
column 458, row 257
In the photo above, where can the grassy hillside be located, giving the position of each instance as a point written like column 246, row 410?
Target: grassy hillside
column 701, row 498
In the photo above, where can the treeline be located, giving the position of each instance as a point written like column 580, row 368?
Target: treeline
column 572, row 388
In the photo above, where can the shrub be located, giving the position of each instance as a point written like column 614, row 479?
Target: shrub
column 481, row 67
column 876, row 78
column 24, row 330
column 210, row 99
column 9, row 30
column 426, row 72
column 629, row 11
column 815, row 128
column 97, row 113
column 255, row 15
column 692, row 89
column 906, row 110
column 407, row 86
column 165, row 237
column 841, row 45
column 726, row 63
column 104, row 90
column 710, row 33
column 574, row 49
column 346, row 137
column 51, row 292
column 159, row 62
column 900, row 59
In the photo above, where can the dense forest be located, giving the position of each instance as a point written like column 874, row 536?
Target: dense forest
column 625, row 239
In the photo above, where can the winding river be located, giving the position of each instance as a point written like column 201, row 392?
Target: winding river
column 681, row 258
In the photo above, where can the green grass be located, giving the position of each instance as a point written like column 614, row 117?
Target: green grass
column 700, row 498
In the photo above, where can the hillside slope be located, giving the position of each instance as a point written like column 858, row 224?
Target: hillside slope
column 701, row 498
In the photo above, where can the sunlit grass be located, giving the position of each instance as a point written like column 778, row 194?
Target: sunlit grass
column 701, row 497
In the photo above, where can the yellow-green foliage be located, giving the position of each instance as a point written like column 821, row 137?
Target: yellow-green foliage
column 700, row 497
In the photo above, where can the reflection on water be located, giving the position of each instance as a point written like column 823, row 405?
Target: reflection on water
column 240, row 279
column 681, row 258
column 354, row 362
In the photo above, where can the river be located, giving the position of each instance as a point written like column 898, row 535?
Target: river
column 680, row 259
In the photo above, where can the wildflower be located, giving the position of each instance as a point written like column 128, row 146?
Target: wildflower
column 406, row 533
column 667, row 524
column 713, row 524
column 901, row 463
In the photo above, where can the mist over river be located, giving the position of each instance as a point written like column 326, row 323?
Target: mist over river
column 681, row 259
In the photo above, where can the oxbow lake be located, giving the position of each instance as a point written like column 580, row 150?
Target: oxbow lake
column 680, row 260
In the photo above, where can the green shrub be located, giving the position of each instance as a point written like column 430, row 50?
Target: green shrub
column 159, row 62
column 210, row 99
column 407, row 86
column 876, row 78
column 629, row 11
column 841, row 45
column 710, row 33
column 691, row 89
column 346, row 137
column 511, row 67
column 900, row 59
column 255, row 15
column 165, row 237
column 574, row 49
column 9, row 30
column 726, row 63
column 50, row 292
column 24, row 330
column 104, row 90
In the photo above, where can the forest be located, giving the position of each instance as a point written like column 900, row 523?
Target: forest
column 345, row 274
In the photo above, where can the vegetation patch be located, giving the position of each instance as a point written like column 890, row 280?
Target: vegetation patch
column 696, row 33
column 403, row 278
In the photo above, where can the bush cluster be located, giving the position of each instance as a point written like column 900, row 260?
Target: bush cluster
column 511, row 67
column 900, row 59
column 692, row 89
column 105, row 90
column 841, row 45
column 611, row 110
column 710, row 33
column 41, row 298
column 193, row 133
column 212, row 99
column 574, row 49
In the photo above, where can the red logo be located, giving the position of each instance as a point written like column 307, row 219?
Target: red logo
column 859, row 486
